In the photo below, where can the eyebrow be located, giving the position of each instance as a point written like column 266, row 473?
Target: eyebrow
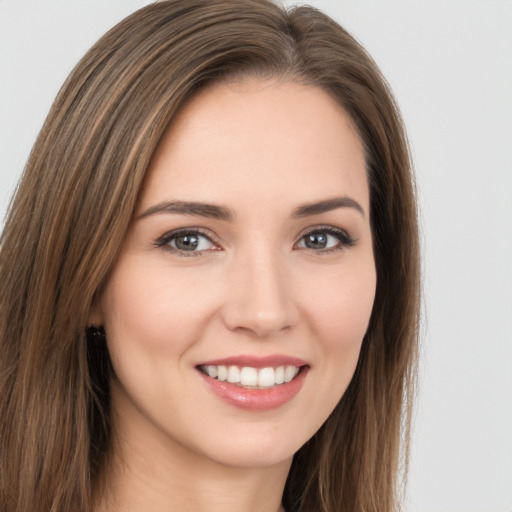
column 213, row 211
column 327, row 205
column 210, row 211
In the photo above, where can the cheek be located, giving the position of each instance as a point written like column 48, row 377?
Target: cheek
column 341, row 305
column 152, row 317
column 340, row 311
column 337, row 312
column 148, row 308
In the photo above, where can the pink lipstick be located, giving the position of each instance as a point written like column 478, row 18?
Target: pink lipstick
column 255, row 383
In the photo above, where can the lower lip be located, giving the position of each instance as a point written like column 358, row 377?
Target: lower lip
column 256, row 399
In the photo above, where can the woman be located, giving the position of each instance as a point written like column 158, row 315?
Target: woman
column 210, row 274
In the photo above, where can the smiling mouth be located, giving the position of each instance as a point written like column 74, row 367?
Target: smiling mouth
column 250, row 377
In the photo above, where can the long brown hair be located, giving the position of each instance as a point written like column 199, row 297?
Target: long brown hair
column 73, row 207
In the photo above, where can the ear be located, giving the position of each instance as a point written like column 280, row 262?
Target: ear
column 96, row 315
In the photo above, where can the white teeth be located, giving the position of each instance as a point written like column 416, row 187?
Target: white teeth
column 249, row 376
column 252, row 377
column 290, row 373
column 222, row 373
column 266, row 377
column 234, row 374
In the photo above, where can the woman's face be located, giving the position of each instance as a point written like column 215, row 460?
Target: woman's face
column 249, row 262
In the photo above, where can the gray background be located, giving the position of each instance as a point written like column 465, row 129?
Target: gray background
column 450, row 65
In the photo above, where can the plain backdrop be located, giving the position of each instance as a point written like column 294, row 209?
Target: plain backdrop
column 450, row 65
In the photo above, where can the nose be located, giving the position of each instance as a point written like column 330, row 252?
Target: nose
column 259, row 298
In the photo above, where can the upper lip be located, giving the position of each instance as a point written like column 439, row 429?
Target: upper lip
column 256, row 361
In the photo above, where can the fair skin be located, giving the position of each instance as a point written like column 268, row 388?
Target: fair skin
column 258, row 278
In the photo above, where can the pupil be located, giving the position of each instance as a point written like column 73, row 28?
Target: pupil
column 187, row 242
column 316, row 241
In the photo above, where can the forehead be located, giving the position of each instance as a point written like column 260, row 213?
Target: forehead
column 255, row 140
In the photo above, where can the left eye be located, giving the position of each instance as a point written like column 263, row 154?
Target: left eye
column 325, row 239
column 187, row 241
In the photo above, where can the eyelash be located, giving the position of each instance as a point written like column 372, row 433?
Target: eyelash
column 344, row 239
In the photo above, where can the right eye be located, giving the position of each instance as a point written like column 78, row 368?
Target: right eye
column 189, row 242
column 325, row 239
